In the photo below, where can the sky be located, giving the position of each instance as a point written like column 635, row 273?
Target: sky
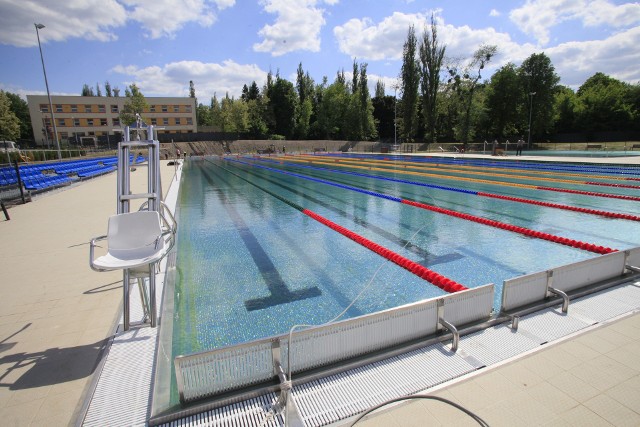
column 220, row 45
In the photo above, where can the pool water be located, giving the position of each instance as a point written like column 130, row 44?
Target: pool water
column 250, row 265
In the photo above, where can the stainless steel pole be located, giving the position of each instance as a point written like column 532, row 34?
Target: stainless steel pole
column 46, row 83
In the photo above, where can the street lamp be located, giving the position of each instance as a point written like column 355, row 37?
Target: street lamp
column 44, row 71
column 530, row 111
column 45, row 130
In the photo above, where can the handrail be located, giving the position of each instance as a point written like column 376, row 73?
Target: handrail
column 235, row 367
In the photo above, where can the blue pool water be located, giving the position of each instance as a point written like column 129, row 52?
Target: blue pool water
column 250, row 265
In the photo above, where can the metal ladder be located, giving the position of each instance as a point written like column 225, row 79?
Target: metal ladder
column 153, row 202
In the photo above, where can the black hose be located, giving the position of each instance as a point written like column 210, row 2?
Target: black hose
column 441, row 399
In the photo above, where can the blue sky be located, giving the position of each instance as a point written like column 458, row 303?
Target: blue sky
column 222, row 44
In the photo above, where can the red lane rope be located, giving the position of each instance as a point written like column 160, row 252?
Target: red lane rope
column 561, row 206
column 590, row 193
column 609, row 184
column 421, row 271
column 516, row 229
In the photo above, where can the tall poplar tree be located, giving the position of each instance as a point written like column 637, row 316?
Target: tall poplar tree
column 431, row 56
column 410, row 78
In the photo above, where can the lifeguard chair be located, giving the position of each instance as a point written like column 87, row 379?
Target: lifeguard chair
column 137, row 241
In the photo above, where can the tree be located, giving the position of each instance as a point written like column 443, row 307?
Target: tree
column 282, row 98
column 539, row 82
column 21, row 109
column 304, row 110
column 203, row 115
column 605, row 104
column 431, row 56
column 410, row 79
column 192, row 90
column 565, row 110
column 107, row 88
column 504, row 101
column 383, row 114
column 380, row 89
column 116, row 92
column 9, row 123
column 464, row 82
column 332, row 110
column 98, row 91
column 216, row 113
column 135, row 105
column 87, row 90
column 367, row 121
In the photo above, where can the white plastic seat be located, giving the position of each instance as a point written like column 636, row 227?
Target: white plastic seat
column 134, row 240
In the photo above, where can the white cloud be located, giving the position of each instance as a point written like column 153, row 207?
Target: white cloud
column 617, row 56
column 173, row 78
column 89, row 19
column 537, row 17
column 362, row 38
column 494, row 13
column 162, row 18
column 297, row 26
column 98, row 19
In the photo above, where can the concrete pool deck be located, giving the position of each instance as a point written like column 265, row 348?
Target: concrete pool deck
column 57, row 315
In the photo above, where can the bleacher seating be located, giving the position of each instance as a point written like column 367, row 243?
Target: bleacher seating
column 42, row 176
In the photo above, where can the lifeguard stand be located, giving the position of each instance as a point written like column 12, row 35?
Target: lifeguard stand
column 137, row 241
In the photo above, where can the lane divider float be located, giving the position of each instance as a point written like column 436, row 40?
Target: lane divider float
column 419, row 270
column 589, row 211
column 497, row 224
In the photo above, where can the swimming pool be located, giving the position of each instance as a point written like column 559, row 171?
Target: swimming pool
column 250, row 264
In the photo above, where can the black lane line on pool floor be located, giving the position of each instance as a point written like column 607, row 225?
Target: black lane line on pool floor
column 327, row 282
column 427, row 258
column 278, row 289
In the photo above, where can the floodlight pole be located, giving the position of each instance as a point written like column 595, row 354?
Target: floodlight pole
column 44, row 71
column 530, row 111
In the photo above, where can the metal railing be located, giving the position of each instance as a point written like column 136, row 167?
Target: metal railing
column 531, row 288
column 235, row 367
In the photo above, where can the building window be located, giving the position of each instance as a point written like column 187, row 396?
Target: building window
column 103, row 122
column 74, row 108
column 116, row 121
column 165, row 121
column 76, row 122
column 89, row 122
column 189, row 121
column 187, row 108
column 154, row 121
column 87, row 108
column 64, row 135
column 58, row 108
column 176, row 108
column 165, row 109
column 44, row 108
column 101, row 108
column 114, row 108
column 177, row 120
column 152, row 109
column 61, row 122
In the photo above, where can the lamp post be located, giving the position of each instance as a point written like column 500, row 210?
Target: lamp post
column 44, row 71
column 530, row 111
column 45, row 130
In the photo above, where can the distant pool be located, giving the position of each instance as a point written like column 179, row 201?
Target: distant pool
column 577, row 153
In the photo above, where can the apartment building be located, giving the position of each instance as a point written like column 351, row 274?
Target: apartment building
column 82, row 120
